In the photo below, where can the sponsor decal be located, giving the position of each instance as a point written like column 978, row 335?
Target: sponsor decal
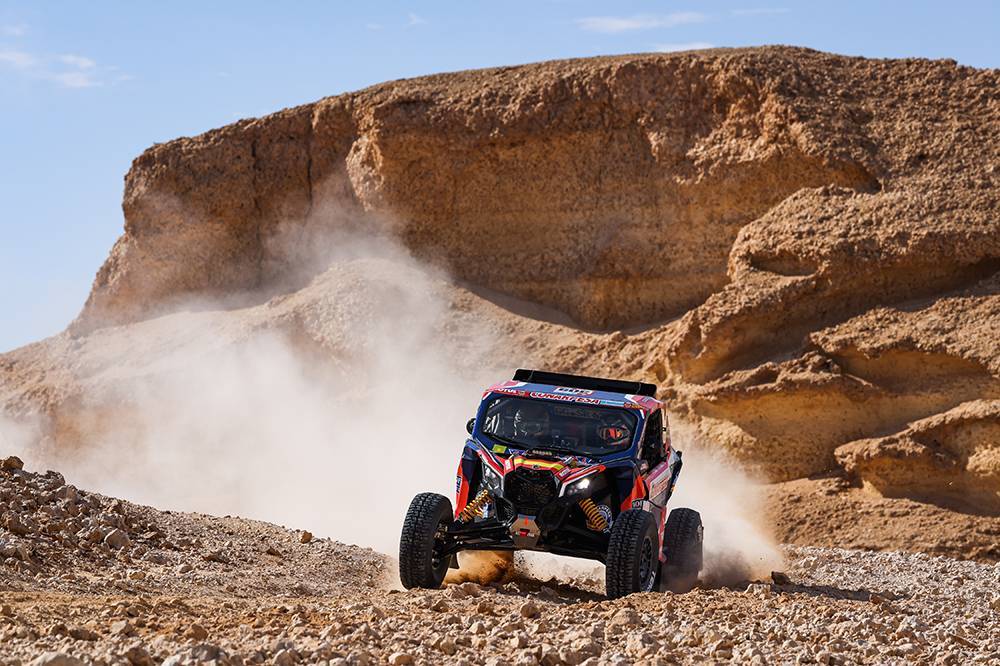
column 536, row 464
column 564, row 398
column 573, row 391
column 499, row 448
column 659, row 487
column 605, row 511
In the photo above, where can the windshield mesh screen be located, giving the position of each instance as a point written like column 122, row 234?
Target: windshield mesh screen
column 542, row 424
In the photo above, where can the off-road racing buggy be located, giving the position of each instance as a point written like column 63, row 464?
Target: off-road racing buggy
column 568, row 465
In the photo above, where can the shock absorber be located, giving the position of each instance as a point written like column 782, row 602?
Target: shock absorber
column 474, row 508
column 595, row 521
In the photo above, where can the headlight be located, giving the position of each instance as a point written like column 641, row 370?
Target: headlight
column 491, row 479
column 581, row 487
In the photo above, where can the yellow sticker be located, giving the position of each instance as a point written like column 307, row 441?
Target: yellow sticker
column 497, row 448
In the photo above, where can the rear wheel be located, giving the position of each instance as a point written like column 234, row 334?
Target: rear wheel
column 421, row 563
column 682, row 550
column 633, row 554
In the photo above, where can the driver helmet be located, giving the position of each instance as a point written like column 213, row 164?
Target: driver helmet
column 614, row 430
column 531, row 420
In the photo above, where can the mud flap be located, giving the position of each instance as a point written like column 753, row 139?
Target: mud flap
column 453, row 562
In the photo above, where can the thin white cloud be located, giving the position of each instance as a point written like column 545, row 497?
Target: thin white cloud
column 67, row 70
column 18, row 30
column 416, row 20
column 77, row 61
column 760, row 11
column 78, row 79
column 687, row 46
column 615, row 24
column 17, row 59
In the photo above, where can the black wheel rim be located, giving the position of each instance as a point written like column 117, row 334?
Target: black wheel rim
column 646, row 573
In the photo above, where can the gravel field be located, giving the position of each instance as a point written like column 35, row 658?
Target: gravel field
column 91, row 579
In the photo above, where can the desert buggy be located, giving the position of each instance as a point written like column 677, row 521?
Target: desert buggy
column 569, row 465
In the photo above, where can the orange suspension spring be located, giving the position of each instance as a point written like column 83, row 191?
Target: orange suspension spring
column 595, row 521
column 474, row 508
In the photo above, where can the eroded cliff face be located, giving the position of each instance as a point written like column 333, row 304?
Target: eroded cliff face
column 610, row 189
column 802, row 249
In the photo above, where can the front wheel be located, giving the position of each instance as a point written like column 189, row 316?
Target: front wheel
column 420, row 561
column 682, row 550
column 633, row 554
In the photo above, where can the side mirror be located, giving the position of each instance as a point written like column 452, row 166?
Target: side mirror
column 470, row 425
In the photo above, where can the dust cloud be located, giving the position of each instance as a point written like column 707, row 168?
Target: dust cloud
column 483, row 567
column 336, row 429
column 17, row 435
column 738, row 542
column 263, row 428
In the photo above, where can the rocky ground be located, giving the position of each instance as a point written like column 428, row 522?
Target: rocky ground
column 91, row 579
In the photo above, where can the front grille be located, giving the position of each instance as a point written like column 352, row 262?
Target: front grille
column 530, row 489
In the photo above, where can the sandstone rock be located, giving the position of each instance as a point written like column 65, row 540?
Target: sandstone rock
column 625, row 617
column 83, row 634
column 91, row 535
column 155, row 557
column 760, row 590
column 780, row 578
column 138, row 656
column 68, row 493
column 15, row 525
column 55, row 659
column 400, row 659
column 358, row 658
column 12, row 462
column 306, row 536
column 285, row 657
column 122, row 628
column 196, row 631
column 571, row 656
column 57, row 629
column 529, row 609
column 216, row 556
column 117, row 539
column 471, row 589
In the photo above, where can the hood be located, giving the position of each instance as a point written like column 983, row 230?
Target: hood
column 565, row 468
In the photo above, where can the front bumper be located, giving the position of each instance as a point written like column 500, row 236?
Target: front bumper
column 549, row 529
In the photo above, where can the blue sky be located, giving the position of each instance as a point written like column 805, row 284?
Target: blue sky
column 86, row 86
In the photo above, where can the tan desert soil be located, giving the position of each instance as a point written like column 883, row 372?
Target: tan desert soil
column 91, row 579
column 829, row 512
